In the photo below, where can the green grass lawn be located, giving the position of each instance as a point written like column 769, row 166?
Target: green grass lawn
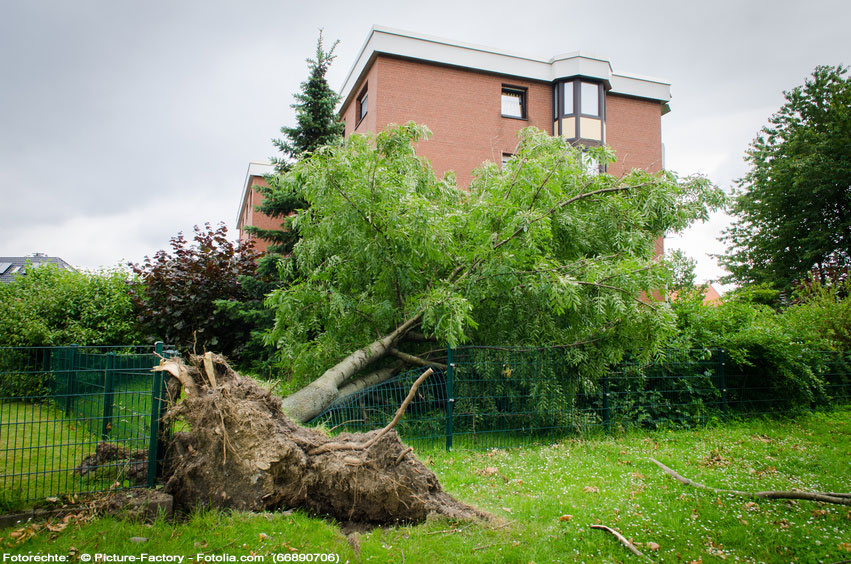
column 40, row 446
column 545, row 499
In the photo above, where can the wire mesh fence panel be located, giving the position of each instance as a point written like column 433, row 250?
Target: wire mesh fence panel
column 423, row 425
column 504, row 396
column 837, row 376
column 58, row 404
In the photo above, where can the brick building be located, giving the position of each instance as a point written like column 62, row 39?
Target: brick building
column 255, row 177
column 475, row 99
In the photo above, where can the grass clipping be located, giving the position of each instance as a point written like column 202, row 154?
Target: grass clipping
column 242, row 452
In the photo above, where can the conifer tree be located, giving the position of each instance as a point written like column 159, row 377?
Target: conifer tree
column 316, row 125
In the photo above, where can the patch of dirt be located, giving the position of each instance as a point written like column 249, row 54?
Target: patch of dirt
column 715, row 459
column 137, row 504
column 133, row 464
column 242, row 452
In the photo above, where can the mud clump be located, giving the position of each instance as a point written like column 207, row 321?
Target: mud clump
column 240, row 451
column 132, row 463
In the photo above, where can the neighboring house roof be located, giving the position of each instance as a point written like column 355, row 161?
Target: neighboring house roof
column 388, row 41
column 16, row 266
column 711, row 296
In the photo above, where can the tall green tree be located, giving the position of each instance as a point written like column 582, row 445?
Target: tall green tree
column 793, row 207
column 538, row 252
column 317, row 124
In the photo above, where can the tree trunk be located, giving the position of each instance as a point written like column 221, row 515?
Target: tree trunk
column 242, row 452
column 309, row 401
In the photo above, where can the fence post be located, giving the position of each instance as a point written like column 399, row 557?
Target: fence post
column 70, row 376
column 108, row 374
column 606, row 417
column 450, row 396
column 722, row 380
column 157, row 394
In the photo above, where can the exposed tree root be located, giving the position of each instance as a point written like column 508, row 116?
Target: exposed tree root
column 826, row 497
column 242, row 452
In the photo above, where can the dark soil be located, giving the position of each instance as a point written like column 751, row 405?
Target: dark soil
column 242, row 452
column 132, row 463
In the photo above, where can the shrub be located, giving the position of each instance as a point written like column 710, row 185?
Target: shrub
column 771, row 354
column 48, row 307
column 176, row 292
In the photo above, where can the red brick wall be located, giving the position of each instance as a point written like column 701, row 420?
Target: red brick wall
column 462, row 108
column 349, row 113
column 634, row 131
column 252, row 217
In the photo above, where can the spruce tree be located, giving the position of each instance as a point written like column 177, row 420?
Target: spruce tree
column 317, row 125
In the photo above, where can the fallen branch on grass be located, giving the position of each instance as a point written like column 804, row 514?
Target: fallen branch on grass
column 622, row 539
column 826, row 497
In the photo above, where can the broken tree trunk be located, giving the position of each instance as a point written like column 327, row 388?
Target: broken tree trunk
column 309, row 401
column 242, row 452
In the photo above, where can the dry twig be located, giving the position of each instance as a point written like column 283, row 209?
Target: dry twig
column 622, row 539
column 837, row 498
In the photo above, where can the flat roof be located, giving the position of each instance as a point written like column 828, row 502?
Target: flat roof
column 255, row 168
column 389, row 41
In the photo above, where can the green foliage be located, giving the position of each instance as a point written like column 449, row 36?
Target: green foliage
column 50, row 306
column 770, row 350
column 317, row 125
column 177, row 292
column 793, row 207
column 538, row 252
column 824, row 310
column 253, row 355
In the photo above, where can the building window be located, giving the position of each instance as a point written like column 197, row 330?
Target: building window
column 506, row 157
column 363, row 104
column 590, row 97
column 581, row 111
column 513, row 102
column 591, row 165
column 568, row 99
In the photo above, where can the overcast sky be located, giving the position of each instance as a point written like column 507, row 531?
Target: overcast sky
column 122, row 123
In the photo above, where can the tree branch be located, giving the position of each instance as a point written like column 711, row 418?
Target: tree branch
column 562, row 204
column 309, row 401
column 837, row 498
column 371, row 379
column 622, row 539
column 412, row 359
column 327, row 447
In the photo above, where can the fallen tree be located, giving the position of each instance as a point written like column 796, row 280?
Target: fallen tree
column 240, row 451
column 544, row 250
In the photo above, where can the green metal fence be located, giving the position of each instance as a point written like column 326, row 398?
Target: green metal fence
column 496, row 396
column 58, row 404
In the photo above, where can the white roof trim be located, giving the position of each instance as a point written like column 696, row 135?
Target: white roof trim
column 255, row 168
column 390, row 41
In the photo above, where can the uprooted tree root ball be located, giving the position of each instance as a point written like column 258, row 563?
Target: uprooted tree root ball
column 242, row 452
